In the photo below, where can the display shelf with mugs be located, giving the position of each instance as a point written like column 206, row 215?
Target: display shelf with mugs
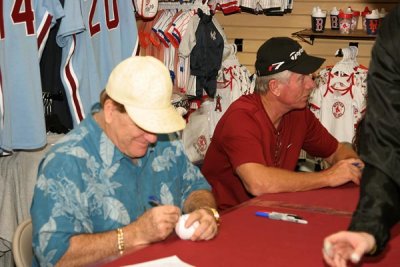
column 343, row 24
column 308, row 35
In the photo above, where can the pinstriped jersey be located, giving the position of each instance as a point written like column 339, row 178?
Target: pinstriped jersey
column 95, row 36
column 24, row 27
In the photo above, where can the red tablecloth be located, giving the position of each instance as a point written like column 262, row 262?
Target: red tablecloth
column 340, row 201
column 248, row 240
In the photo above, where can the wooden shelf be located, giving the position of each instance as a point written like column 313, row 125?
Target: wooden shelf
column 308, row 35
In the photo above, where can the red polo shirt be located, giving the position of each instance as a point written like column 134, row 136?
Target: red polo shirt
column 246, row 134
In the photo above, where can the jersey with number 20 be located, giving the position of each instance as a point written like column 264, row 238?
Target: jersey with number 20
column 95, row 36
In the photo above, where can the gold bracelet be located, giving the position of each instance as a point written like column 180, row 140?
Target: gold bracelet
column 214, row 213
column 120, row 241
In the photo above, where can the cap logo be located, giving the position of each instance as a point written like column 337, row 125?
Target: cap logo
column 295, row 55
column 275, row 66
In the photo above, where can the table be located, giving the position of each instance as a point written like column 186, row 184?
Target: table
column 248, row 240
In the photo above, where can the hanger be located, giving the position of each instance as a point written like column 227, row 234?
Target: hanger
column 349, row 61
column 339, row 52
column 203, row 5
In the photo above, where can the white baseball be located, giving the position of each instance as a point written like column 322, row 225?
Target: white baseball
column 183, row 232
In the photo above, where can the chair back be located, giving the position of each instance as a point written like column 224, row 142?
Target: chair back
column 22, row 244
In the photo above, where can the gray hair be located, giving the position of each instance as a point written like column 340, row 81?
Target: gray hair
column 263, row 81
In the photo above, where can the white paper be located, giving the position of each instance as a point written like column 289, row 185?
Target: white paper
column 172, row 261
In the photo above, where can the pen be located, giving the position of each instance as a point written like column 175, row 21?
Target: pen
column 154, row 201
column 281, row 216
column 357, row 164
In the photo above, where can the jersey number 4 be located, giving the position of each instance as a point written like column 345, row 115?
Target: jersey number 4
column 22, row 12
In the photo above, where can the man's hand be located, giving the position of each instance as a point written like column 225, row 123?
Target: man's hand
column 154, row 225
column 344, row 171
column 346, row 246
column 208, row 227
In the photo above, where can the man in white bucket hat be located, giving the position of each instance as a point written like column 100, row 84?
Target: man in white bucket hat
column 97, row 186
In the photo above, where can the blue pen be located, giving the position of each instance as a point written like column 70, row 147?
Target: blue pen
column 154, row 201
column 357, row 164
column 281, row 216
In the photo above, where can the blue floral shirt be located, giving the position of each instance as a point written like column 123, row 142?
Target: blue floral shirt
column 86, row 185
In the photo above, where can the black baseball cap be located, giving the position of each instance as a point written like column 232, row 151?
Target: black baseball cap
column 283, row 53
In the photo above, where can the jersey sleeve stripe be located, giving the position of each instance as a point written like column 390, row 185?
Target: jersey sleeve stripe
column 73, row 84
column 43, row 32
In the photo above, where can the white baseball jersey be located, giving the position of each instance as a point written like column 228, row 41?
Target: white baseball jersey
column 95, row 36
column 233, row 81
column 339, row 101
column 24, row 27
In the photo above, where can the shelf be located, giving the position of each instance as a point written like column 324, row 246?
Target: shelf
column 332, row 34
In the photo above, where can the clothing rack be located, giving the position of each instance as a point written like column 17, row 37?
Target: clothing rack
column 182, row 5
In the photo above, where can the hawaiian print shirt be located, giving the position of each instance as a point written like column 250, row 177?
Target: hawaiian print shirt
column 87, row 185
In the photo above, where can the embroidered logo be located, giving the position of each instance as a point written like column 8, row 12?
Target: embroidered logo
column 201, row 145
column 213, row 35
column 275, row 66
column 338, row 109
column 295, row 55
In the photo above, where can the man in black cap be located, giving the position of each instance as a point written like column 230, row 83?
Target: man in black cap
column 256, row 144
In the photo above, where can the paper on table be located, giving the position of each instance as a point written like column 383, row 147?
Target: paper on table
column 172, row 261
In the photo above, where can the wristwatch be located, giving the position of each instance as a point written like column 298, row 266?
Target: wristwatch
column 214, row 213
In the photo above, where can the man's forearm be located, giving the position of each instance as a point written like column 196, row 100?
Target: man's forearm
column 89, row 248
column 259, row 179
column 86, row 249
column 198, row 199
column 344, row 151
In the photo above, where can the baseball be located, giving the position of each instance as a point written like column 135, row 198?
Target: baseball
column 183, row 232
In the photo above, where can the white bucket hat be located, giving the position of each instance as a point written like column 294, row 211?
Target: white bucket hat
column 143, row 85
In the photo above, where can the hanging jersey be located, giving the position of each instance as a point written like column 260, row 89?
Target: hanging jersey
column 24, row 27
column 233, row 81
column 339, row 101
column 95, row 37
column 188, row 42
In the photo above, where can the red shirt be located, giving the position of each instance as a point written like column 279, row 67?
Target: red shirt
column 246, row 134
